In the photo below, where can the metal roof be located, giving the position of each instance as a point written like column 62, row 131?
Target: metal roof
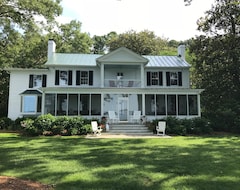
column 68, row 59
column 166, row 61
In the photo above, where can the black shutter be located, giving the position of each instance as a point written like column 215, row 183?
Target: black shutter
column 30, row 81
column 168, row 78
column 57, row 77
column 77, row 77
column 180, row 78
column 148, row 78
column 90, row 82
column 160, row 78
column 44, row 80
column 69, row 77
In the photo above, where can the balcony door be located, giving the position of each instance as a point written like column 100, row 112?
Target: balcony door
column 123, row 109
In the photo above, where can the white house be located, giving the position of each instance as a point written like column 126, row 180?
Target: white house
column 90, row 85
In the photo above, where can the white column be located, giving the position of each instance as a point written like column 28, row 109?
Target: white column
column 142, row 76
column 102, row 74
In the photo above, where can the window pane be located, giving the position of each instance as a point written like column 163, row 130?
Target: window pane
column 155, row 78
column 182, row 105
column 193, row 105
column 84, row 77
column 29, row 104
column 150, row 104
column 37, row 81
column 84, row 104
column 61, row 104
column 173, row 78
column 63, row 78
column 39, row 103
column 49, row 104
column 96, row 104
column 110, row 102
column 171, row 104
column 73, row 104
column 161, row 107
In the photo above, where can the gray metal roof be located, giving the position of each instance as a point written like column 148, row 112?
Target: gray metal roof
column 68, row 59
column 166, row 61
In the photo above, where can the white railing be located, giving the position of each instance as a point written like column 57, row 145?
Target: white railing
column 122, row 83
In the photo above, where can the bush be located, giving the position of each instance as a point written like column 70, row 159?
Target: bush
column 28, row 127
column 86, row 129
column 6, row 123
column 44, row 122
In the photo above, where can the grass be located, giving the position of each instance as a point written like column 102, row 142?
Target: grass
column 78, row 163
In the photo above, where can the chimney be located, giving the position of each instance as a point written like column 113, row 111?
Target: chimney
column 181, row 51
column 51, row 47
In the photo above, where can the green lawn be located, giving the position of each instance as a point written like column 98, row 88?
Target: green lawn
column 162, row 163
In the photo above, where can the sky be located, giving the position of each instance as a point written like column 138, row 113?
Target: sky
column 168, row 19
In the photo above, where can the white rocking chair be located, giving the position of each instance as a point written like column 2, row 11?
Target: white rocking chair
column 96, row 130
column 112, row 117
column 161, row 127
column 136, row 116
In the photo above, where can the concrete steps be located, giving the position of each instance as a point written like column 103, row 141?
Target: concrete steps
column 129, row 129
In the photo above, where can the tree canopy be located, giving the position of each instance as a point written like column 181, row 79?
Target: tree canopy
column 217, row 63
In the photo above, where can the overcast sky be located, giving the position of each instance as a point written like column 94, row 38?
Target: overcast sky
column 166, row 18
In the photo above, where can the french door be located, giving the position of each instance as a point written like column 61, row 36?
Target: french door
column 123, row 109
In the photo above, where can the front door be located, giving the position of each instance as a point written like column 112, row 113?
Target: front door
column 123, row 109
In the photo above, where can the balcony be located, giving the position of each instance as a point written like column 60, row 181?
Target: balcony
column 122, row 83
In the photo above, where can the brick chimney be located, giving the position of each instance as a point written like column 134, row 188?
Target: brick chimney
column 181, row 51
column 51, row 47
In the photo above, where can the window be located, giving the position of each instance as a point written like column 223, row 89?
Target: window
column 84, row 78
column 154, row 79
column 63, row 78
column 193, row 104
column 174, row 78
column 171, row 104
column 31, row 104
column 182, row 105
column 161, row 108
column 150, row 104
column 37, row 81
column 50, row 104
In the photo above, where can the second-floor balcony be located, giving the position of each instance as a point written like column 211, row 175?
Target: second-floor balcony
column 122, row 83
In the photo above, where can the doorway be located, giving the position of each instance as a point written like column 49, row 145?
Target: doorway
column 123, row 109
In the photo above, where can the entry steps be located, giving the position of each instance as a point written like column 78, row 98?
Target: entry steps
column 129, row 129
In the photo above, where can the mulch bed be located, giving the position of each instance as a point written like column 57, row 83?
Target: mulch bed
column 12, row 183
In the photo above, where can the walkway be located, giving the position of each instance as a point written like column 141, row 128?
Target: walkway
column 105, row 135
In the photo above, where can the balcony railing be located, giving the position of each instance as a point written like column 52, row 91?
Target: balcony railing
column 122, row 83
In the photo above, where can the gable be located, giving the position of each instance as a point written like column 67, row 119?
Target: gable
column 122, row 55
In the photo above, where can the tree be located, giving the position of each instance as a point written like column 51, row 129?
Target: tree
column 20, row 24
column 24, row 12
column 143, row 43
column 70, row 39
column 217, row 63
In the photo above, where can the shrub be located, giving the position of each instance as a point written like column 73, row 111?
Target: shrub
column 28, row 127
column 86, row 129
column 44, row 122
column 6, row 123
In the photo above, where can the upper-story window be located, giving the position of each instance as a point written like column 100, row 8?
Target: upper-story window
column 174, row 78
column 84, row 78
column 63, row 77
column 154, row 78
column 37, row 81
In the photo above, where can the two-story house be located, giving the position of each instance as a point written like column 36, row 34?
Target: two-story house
column 90, row 85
